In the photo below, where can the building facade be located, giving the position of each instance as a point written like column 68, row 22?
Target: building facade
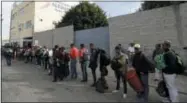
column 30, row 17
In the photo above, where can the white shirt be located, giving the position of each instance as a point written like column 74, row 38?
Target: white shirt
column 50, row 53
column 131, row 49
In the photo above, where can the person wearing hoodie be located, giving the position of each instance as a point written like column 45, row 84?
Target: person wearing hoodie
column 169, row 72
column 142, row 66
column 120, row 70
column 93, row 62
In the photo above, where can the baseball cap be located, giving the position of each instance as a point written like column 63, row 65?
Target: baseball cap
column 137, row 46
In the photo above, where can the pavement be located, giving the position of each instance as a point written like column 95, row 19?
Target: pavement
column 29, row 83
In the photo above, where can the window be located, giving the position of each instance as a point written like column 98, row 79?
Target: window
column 28, row 24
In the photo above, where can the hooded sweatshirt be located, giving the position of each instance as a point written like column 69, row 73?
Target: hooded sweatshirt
column 122, row 59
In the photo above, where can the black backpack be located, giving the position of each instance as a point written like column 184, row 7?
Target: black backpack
column 101, row 85
column 180, row 68
column 107, row 60
column 162, row 89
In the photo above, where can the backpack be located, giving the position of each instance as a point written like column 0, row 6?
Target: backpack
column 180, row 68
column 101, row 85
column 162, row 89
column 107, row 60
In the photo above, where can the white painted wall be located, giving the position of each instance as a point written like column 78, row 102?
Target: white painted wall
column 49, row 14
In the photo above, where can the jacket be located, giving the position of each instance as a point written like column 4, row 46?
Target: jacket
column 74, row 53
column 94, row 58
column 170, row 61
column 141, row 63
column 122, row 59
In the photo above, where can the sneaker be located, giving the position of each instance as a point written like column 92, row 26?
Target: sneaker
column 165, row 100
column 124, row 95
column 115, row 91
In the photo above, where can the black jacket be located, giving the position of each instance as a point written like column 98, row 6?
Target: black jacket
column 170, row 61
column 93, row 58
column 141, row 63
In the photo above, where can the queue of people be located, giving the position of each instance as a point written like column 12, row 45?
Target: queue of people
column 57, row 61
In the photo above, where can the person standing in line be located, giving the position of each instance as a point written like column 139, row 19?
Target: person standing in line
column 56, row 72
column 43, row 55
column 27, row 54
column 169, row 72
column 66, row 63
column 8, row 55
column 130, row 53
column 74, row 53
column 120, row 71
column 50, row 62
column 104, row 61
column 121, row 48
column 32, row 54
column 93, row 62
column 62, row 63
column 142, row 66
column 84, row 62
column 46, row 58
column 38, row 55
column 158, row 51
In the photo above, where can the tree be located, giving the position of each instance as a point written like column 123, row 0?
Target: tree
column 84, row 16
column 147, row 5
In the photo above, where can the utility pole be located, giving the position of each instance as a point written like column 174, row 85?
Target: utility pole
column 54, row 23
column 10, row 26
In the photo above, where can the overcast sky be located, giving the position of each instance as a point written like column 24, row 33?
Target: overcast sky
column 111, row 9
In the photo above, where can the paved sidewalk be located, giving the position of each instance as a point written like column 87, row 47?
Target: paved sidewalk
column 27, row 83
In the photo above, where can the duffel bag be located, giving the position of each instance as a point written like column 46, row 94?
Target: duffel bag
column 134, row 81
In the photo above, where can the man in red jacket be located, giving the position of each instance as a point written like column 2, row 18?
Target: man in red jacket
column 74, row 53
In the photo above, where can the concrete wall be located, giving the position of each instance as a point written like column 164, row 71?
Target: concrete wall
column 61, row 36
column 150, row 27
column 98, row 36
column 43, row 38
column 183, row 13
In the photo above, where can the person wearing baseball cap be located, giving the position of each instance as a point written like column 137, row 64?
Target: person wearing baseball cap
column 169, row 72
column 142, row 66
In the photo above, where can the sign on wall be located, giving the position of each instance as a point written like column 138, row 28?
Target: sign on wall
column 60, row 7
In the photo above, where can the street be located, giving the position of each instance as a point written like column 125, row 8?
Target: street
column 29, row 83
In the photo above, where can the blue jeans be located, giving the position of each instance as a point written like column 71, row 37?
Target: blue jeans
column 73, row 64
column 144, row 96
column 84, row 66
